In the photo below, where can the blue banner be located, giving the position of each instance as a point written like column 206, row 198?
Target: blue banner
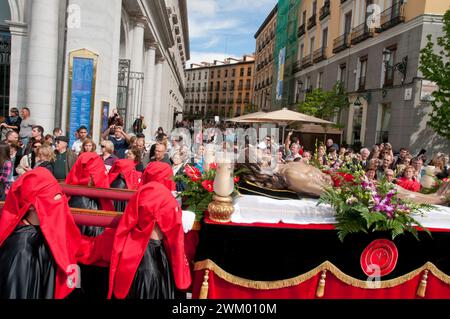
column 280, row 74
column 81, row 94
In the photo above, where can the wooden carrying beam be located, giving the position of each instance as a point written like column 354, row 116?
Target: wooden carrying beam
column 93, row 192
column 88, row 217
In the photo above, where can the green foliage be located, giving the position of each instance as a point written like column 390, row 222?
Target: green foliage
column 362, row 206
column 436, row 67
column 323, row 104
column 196, row 197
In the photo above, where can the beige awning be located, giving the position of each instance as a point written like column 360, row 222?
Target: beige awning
column 242, row 119
column 286, row 116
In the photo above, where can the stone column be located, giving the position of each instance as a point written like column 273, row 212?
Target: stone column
column 156, row 113
column 137, row 51
column 42, row 62
column 137, row 58
column 149, row 94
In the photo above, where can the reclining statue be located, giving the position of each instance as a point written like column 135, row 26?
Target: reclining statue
column 307, row 179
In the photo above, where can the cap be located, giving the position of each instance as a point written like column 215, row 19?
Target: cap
column 62, row 138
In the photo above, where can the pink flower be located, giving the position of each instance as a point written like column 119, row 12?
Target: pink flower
column 208, row 185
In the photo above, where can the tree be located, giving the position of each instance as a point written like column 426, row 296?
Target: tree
column 436, row 67
column 323, row 104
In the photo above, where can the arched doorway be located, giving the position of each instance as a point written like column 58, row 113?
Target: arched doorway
column 5, row 57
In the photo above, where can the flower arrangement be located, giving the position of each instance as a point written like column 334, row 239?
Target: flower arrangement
column 199, row 188
column 364, row 206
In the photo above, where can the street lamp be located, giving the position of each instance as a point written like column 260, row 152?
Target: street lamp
column 400, row 66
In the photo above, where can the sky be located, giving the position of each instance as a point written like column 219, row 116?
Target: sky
column 224, row 28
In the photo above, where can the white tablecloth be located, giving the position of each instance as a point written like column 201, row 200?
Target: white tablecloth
column 258, row 209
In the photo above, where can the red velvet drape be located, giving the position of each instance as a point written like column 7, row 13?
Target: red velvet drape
column 334, row 289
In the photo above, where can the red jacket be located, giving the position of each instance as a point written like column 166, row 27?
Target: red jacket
column 159, row 172
column 127, row 168
column 89, row 166
column 411, row 185
column 38, row 188
column 152, row 204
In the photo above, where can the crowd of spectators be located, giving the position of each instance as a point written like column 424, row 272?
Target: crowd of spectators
column 24, row 147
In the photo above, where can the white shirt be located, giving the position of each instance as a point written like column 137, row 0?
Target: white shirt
column 76, row 147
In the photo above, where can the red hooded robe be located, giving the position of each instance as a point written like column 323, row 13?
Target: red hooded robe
column 38, row 188
column 127, row 168
column 159, row 172
column 90, row 165
column 152, row 204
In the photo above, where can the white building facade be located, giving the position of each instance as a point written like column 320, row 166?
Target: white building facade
column 82, row 59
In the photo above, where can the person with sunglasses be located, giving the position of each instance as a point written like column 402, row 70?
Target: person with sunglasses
column 65, row 158
column 28, row 161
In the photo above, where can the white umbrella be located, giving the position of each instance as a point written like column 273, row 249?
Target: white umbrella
column 243, row 118
column 285, row 117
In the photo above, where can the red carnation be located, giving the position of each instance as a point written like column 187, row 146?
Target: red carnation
column 236, row 179
column 208, row 185
column 340, row 177
column 213, row 165
column 193, row 173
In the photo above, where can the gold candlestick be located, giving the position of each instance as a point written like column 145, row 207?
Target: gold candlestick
column 221, row 208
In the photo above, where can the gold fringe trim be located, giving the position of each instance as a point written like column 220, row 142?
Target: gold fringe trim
column 326, row 266
column 205, row 286
column 423, row 284
column 321, row 286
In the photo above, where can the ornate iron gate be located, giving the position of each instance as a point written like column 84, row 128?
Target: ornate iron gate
column 135, row 91
column 129, row 93
column 122, row 88
column 5, row 61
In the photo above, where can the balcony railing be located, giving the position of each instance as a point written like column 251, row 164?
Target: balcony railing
column 391, row 17
column 307, row 61
column 232, row 88
column 217, row 88
column 230, row 101
column 240, row 87
column 301, row 30
column 239, row 101
column 248, row 87
column 216, row 101
column 361, row 33
column 204, row 89
column 320, row 55
column 340, row 43
column 325, row 10
column 312, row 21
column 198, row 89
column 362, row 83
column 224, row 88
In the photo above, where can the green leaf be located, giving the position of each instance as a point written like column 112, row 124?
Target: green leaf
column 372, row 218
column 435, row 67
